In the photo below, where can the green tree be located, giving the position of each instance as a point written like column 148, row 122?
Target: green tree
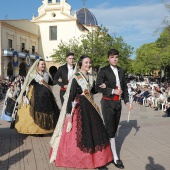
column 147, row 59
column 153, row 55
column 96, row 45
column 163, row 43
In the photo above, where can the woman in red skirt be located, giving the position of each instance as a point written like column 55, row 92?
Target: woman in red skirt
column 80, row 139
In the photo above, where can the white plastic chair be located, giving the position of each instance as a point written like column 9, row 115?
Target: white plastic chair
column 144, row 100
column 164, row 103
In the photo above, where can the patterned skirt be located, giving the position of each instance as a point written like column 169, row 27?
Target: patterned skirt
column 87, row 145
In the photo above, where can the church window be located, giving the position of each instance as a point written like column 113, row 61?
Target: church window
column 22, row 47
column 9, row 44
column 49, row 1
column 33, row 49
column 53, row 32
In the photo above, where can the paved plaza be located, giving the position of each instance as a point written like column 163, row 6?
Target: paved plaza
column 143, row 143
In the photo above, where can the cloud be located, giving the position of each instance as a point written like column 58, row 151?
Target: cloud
column 136, row 24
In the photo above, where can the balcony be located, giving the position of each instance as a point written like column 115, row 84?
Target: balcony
column 20, row 54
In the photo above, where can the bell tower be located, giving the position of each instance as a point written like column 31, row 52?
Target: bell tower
column 53, row 5
column 53, row 1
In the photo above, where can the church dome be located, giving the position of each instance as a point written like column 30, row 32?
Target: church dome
column 86, row 17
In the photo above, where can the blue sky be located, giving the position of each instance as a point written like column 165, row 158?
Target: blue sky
column 134, row 20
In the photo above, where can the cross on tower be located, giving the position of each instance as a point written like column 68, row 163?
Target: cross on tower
column 84, row 2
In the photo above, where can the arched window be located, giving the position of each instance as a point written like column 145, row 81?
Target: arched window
column 22, row 69
column 10, row 69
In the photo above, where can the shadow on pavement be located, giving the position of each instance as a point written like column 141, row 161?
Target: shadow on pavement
column 10, row 140
column 123, row 131
column 152, row 165
column 13, row 159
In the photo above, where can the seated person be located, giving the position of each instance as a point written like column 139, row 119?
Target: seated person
column 137, row 93
column 145, row 94
column 160, row 99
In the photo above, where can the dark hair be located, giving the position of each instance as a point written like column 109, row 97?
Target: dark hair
column 40, row 60
column 168, row 99
column 69, row 54
column 112, row 52
column 81, row 59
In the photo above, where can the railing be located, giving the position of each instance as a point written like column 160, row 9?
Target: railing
column 20, row 54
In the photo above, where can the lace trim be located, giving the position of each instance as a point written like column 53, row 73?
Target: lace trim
column 79, row 137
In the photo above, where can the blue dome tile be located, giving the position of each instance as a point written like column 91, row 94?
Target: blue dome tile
column 86, row 17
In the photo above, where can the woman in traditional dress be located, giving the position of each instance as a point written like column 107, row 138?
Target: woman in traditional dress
column 37, row 108
column 9, row 104
column 80, row 139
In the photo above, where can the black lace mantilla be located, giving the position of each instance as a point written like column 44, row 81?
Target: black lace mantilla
column 91, row 134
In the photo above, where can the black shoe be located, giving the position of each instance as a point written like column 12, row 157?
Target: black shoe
column 119, row 164
column 103, row 168
column 156, row 109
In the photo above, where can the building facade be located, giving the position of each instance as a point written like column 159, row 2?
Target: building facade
column 19, row 43
column 24, row 41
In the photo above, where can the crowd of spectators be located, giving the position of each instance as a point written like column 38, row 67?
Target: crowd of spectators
column 141, row 91
column 151, row 94
column 16, row 81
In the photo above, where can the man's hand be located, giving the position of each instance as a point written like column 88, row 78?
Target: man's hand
column 103, row 86
column 65, row 86
column 117, row 91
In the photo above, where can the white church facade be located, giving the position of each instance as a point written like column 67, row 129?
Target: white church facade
column 24, row 41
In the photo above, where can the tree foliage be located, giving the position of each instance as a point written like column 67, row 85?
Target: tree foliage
column 166, row 20
column 153, row 56
column 96, row 45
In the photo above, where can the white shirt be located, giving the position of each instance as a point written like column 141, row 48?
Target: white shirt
column 70, row 71
column 115, row 71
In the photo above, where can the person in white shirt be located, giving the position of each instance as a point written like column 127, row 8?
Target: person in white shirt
column 63, row 75
column 116, row 89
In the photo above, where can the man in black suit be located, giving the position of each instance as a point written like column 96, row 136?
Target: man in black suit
column 63, row 75
column 116, row 89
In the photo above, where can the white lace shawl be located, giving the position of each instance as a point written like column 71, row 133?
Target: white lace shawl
column 32, row 73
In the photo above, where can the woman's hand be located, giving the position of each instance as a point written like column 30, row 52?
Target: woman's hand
column 69, row 117
column 103, row 86
column 60, row 80
column 69, row 124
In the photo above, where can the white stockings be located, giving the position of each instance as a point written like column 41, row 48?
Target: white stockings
column 113, row 147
